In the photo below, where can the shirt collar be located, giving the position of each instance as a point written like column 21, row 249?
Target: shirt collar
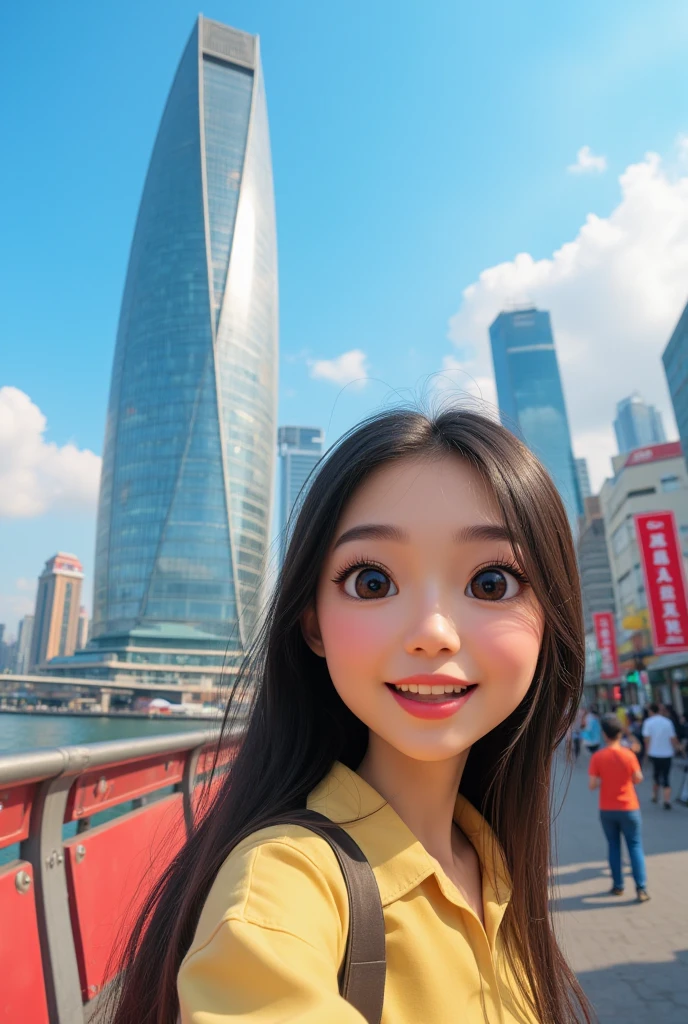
column 398, row 859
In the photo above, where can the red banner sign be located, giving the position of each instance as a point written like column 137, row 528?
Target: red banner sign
column 665, row 584
column 605, row 636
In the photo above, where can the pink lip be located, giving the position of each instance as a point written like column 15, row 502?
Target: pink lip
column 440, row 709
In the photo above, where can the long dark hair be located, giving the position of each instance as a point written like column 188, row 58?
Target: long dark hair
column 298, row 725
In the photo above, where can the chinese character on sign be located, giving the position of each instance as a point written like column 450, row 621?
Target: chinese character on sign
column 658, row 540
column 660, row 558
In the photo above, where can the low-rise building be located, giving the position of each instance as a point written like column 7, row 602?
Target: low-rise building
column 650, row 479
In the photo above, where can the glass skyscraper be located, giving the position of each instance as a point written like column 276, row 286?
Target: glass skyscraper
column 637, row 424
column 675, row 359
column 300, row 450
column 188, row 460
column 530, row 396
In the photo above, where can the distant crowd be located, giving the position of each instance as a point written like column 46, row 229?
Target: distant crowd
column 656, row 732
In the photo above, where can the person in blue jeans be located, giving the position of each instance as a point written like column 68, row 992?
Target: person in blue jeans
column 615, row 771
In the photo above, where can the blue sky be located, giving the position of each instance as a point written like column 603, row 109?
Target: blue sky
column 415, row 146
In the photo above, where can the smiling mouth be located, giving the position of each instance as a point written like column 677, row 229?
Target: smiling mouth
column 431, row 694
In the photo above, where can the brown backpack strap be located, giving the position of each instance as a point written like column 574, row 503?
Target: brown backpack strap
column 362, row 975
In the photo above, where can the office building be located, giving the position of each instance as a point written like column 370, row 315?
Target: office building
column 82, row 631
column 188, row 458
column 4, row 649
column 24, row 635
column 583, row 477
column 530, row 396
column 637, row 424
column 652, row 479
column 56, row 617
column 593, row 563
column 675, row 359
column 300, row 450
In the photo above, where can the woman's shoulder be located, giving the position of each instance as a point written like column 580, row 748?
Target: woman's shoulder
column 276, row 878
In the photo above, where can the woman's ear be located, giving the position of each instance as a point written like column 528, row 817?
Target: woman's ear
column 311, row 631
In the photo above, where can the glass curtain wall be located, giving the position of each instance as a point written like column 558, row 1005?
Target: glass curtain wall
column 183, row 518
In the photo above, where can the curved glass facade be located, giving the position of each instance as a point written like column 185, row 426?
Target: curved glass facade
column 531, row 400
column 186, row 489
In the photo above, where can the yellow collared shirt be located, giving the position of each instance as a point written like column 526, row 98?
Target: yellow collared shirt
column 273, row 930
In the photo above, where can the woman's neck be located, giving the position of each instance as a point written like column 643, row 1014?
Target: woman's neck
column 423, row 793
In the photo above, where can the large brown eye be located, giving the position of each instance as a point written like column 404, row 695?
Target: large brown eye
column 491, row 585
column 369, row 583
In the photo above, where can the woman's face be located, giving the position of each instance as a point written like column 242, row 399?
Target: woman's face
column 429, row 628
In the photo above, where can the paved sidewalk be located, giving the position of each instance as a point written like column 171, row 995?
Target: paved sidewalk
column 632, row 959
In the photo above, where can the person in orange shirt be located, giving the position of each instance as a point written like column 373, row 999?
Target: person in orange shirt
column 615, row 771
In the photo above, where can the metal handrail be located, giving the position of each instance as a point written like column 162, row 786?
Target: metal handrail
column 37, row 765
column 53, row 773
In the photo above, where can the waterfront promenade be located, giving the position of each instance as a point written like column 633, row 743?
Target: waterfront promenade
column 632, row 959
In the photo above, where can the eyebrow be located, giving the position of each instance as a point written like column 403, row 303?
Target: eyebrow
column 384, row 531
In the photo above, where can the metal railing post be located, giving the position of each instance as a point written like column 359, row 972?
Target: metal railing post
column 44, row 849
column 187, row 787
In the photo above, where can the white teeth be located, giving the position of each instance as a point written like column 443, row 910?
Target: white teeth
column 434, row 690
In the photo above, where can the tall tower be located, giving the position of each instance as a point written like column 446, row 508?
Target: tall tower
column 24, row 637
column 56, row 618
column 637, row 424
column 300, row 450
column 531, row 399
column 188, row 460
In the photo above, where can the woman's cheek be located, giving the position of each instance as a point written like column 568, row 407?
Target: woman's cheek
column 351, row 638
column 511, row 648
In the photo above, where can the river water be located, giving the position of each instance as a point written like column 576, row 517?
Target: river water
column 23, row 732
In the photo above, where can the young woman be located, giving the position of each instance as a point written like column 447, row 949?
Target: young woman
column 421, row 660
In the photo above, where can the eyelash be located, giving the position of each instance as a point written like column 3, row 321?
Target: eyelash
column 359, row 563
column 507, row 565
column 367, row 563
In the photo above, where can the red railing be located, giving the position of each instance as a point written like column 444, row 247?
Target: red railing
column 65, row 901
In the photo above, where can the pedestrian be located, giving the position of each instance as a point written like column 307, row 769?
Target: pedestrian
column 592, row 733
column 422, row 656
column 635, row 728
column 575, row 737
column 622, row 714
column 616, row 772
column 682, row 732
column 661, row 743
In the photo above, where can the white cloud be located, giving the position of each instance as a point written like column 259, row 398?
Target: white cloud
column 587, row 162
column 36, row 475
column 349, row 368
column 615, row 293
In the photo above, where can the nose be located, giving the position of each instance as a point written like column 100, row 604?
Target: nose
column 432, row 636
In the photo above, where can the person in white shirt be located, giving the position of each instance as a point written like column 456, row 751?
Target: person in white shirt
column 661, row 742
